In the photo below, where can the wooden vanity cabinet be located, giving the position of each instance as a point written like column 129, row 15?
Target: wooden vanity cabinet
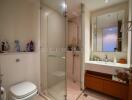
column 130, row 91
column 115, row 89
column 93, row 82
column 104, row 83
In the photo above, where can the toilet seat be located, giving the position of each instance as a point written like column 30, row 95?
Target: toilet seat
column 25, row 98
column 23, row 90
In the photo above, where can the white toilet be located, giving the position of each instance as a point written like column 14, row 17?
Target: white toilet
column 3, row 94
column 23, row 91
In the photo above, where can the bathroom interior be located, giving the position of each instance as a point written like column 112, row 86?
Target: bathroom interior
column 66, row 49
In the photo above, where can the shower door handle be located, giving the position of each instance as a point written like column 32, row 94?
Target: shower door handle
column 1, row 75
column 0, row 84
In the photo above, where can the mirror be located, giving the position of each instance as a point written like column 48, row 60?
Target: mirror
column 108, row 32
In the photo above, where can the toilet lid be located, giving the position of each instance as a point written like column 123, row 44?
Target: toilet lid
column 23, row 89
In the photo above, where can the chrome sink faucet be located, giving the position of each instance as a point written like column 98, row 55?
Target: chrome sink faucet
column 106, row 58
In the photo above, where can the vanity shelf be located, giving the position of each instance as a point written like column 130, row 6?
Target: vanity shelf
column 14, row 53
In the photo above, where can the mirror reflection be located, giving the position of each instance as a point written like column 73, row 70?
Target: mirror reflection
column 108, row 32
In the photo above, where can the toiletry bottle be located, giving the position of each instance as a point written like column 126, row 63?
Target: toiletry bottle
column 31, row 46
column 106, row 58
column 3, row 46
column 7, row 46
column 28, row 47
column 17, row 46
column 115, row 59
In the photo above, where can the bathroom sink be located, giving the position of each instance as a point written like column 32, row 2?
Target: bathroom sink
column 108, row 64
column 102, row 62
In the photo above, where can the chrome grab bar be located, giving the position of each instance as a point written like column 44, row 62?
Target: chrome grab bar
column 60, row 57
column 0, row 85
column 0, row 82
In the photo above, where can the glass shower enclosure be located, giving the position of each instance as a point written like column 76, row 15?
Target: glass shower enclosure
column 53, row 43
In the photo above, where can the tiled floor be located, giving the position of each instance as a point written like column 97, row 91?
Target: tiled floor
column 38, row 98
column 58, row 91
column 73, row 90
column 92, row 95
column 74, row 93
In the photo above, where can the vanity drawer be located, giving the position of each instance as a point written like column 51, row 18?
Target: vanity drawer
column 115, row 89
column 93, row 83
column 130, row 91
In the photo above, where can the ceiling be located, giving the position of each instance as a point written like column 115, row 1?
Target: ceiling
column 93, row 5
column 74, row 6
column 54, row 4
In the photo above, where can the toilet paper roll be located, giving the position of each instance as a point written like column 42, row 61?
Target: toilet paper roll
column 3, row 94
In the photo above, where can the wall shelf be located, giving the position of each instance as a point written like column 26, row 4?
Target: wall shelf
column 15, row 53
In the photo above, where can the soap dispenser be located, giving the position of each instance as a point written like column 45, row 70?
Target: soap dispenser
column 115, row 61
column 3, row 46
column 17, row 45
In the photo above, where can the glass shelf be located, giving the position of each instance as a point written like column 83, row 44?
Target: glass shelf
column 14, row 53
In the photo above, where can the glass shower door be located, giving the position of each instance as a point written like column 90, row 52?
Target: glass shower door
column 53, row 39
column 56, row 57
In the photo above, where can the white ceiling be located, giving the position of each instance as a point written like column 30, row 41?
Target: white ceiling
column 98, row 4
column 74, row 6
column 54, row 4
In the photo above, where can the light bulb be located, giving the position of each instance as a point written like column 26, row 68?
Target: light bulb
column 64, row 5
column 106, row 1
column 46, row 13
